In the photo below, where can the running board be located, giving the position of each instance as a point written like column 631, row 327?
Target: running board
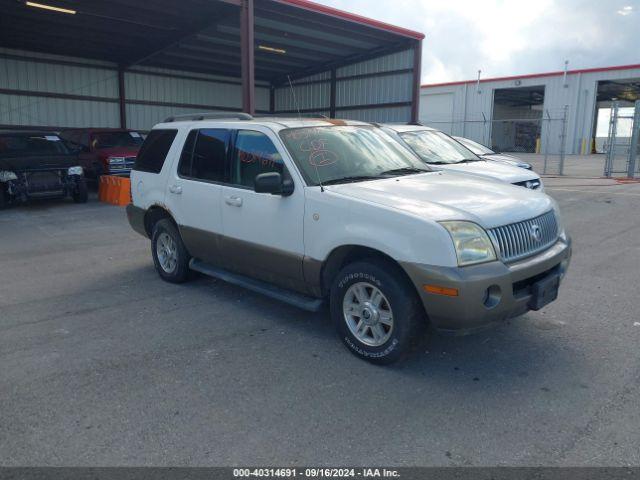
column 292, row 298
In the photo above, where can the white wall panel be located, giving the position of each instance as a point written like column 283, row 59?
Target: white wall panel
column 383, row 115
column 395, row 61
column 579, row 95
column 371, row 90
column 45, row 77
column 55, row 112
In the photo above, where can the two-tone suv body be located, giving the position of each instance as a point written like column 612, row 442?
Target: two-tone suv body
column 313, row 210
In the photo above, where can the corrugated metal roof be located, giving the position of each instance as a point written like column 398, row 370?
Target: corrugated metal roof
column 293, row 38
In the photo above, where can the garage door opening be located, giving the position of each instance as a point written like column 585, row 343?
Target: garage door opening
column 517, row 119
column 625, row 92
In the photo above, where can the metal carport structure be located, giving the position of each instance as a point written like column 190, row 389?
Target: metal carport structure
column 143, row 61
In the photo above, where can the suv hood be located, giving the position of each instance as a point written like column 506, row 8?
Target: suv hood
column 118, row 152
column 483, row 168
column 451, row 196
column 37, row 162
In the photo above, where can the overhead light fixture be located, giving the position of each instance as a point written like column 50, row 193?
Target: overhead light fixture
column 271, row 49
column 50, row 7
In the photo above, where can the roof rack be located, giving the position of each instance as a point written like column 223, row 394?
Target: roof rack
column 196, row 117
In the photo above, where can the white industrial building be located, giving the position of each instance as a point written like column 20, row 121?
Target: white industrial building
column 535, row 113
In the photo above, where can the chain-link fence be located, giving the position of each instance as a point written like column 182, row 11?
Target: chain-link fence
column 545, row 135
column 622, row 148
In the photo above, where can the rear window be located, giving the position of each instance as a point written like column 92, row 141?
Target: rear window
column 154, row 151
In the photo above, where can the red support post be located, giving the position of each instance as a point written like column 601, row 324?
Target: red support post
column 122, row 99
column 247, row 58
column 417, row 75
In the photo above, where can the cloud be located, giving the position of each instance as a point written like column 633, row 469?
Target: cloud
column 510, row 37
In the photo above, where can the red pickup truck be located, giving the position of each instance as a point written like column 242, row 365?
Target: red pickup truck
column 110, row 151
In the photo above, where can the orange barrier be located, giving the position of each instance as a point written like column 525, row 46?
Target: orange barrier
column 114, row 190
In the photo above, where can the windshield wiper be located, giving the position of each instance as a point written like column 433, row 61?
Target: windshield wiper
column 404, row 171
column 352, row 179
column 470, row 160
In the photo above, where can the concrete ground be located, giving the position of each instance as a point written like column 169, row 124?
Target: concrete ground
column 104, row 364
column 583, row 166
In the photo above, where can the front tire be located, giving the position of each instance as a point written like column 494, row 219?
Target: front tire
column 81, row 195
column 376, row 310
column 3, row 197
column 170, row 256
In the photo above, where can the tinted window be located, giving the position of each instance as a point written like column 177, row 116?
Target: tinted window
column 184, row 167
column 255, row 153
column 209, row 155
column 36, row 144
column 116, row 139
column 154, row 151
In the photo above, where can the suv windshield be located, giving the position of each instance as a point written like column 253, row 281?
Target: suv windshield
column 116, row 139
column 437, row 147
column 26, row 144
column 341, row 153
column 475, row 147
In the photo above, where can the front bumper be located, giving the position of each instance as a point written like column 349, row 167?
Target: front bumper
column 487, row 293
column 42, row 184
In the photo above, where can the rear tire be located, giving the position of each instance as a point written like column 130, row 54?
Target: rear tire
column 376, row 310
column 3, row 197
column 170, row 256
column 81, row 195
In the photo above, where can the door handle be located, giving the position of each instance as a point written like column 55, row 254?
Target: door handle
column 233, row 201
column 176, row 189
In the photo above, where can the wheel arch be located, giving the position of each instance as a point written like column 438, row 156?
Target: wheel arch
column 154, row 214
column 346, row 254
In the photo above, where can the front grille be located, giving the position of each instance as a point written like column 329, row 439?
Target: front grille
column 122, row 167
column 523, row 239
column 43, row 181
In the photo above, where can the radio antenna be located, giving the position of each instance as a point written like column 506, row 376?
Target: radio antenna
column 293, row 95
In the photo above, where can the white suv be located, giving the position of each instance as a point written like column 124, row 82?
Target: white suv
column 307, row 211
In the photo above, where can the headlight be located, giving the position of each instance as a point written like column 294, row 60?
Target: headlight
column 75, row 171
column 115, row 160
column 6, row 176
column 471, row 242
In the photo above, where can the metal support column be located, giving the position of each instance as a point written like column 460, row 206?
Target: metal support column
column 611, row 140
column 332, row 94
column 417, row 76
column 122, row 105
column 247, row 56
column 272, row 99
column 635, row 142
column 563, row 138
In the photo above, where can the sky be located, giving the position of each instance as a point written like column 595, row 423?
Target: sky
column 509, row 37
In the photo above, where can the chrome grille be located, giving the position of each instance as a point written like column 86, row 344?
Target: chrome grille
column 523, row 239
column 122, row 167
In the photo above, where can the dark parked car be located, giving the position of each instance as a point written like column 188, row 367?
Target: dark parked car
column 38, row 165
column 110, row 151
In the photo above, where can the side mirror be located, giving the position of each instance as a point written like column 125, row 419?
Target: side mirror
column 273, row 183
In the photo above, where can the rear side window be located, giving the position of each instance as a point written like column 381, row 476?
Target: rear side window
column 184, row 167
column 255, row 154
column 209, row 158
column 154, row 151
